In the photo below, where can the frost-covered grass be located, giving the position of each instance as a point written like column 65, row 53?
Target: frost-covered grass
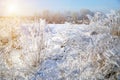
column 82, row 52
column 40, row 51
column 20, row 48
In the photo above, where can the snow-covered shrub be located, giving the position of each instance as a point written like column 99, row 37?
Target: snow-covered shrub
column 20, row 48
column 109, row 20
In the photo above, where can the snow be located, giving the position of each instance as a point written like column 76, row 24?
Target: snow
column 68, row 53
column 62, row 52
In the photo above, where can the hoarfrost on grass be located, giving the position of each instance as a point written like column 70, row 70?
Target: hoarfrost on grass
column 40, row 51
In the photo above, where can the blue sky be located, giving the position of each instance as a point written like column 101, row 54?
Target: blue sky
column 73, row 4
column 78, row 4
column 32, row 6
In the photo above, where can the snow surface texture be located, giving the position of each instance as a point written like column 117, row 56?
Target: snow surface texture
column 80, row 53
column 43, row 51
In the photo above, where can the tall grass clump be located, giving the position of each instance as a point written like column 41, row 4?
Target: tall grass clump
column 115, row 23
column 21, row 45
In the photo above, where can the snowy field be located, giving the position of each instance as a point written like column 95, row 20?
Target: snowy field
column 41, row 51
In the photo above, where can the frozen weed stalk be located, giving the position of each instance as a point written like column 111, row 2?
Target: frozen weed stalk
column 20, row 47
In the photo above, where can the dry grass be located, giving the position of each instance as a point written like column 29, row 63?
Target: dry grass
column 14, row 48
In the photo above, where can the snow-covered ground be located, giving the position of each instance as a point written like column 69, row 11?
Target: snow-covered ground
column 79, row 52
column 60, row 52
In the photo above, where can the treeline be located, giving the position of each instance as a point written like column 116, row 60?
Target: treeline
column 66, row 16
column 83, row 16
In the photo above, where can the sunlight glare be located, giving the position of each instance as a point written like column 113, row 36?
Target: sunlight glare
column 13, row 9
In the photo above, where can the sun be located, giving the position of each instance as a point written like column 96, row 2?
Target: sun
column 12, row 9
